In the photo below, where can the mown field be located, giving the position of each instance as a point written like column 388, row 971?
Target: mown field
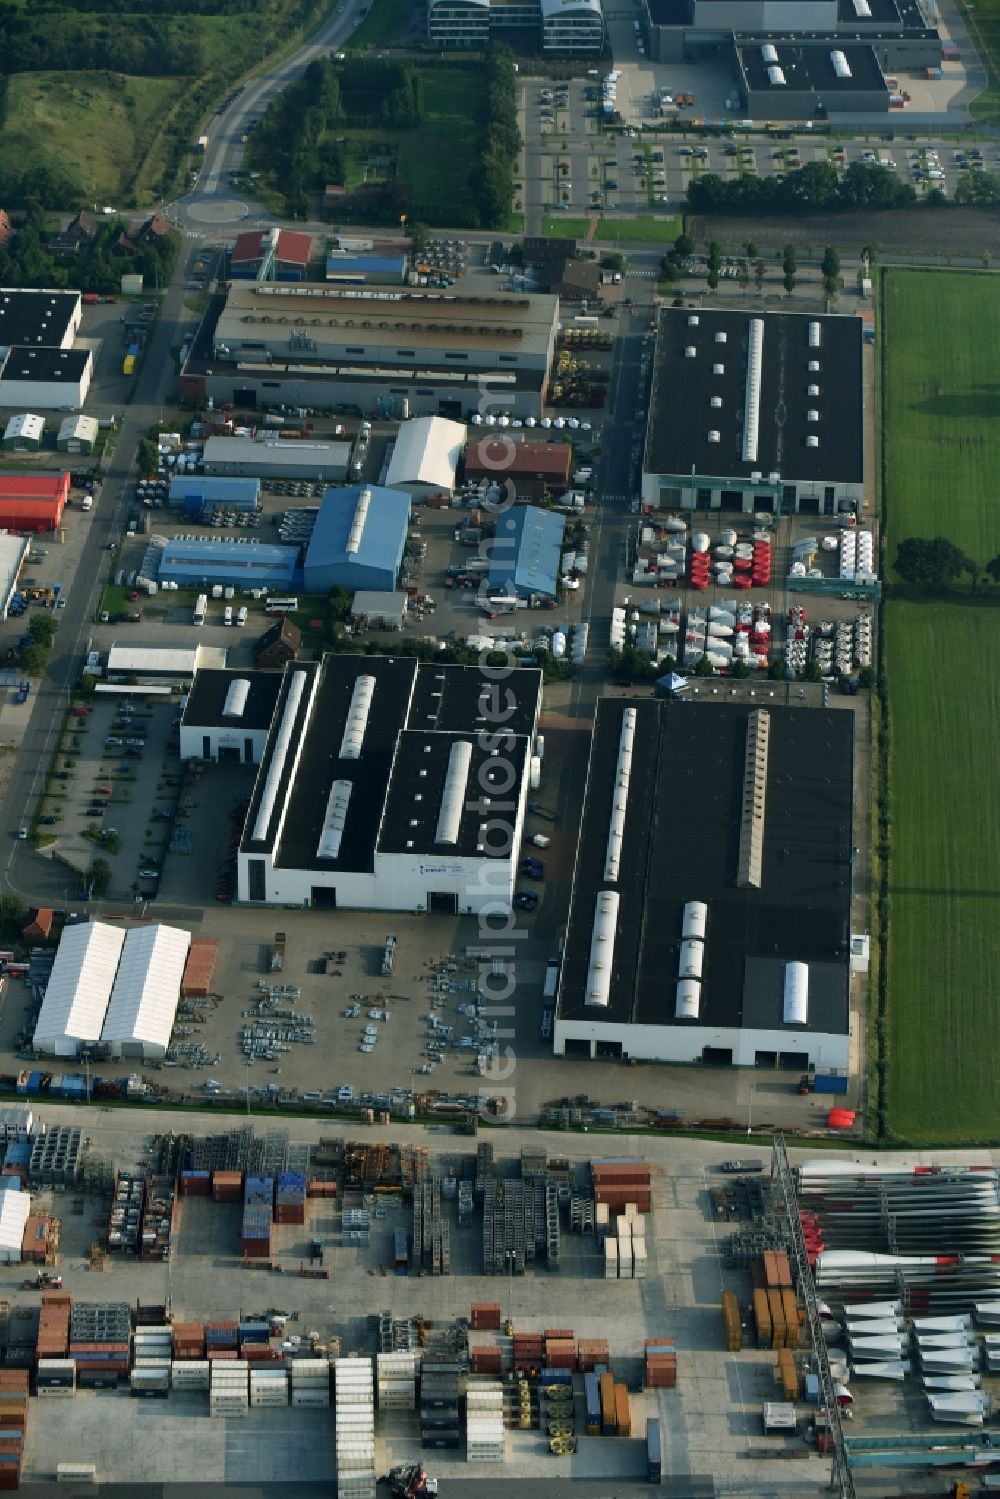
column 942, row 660
column 943, row 408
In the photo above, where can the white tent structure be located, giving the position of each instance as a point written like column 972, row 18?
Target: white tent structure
column 146, row 991
column 426, row 455
column 79, row 988
column 14, row 1209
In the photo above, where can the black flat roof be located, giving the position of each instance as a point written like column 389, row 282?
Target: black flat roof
column 808, row 68
column 670, row 12
column 416, row 713
column 681, row 415
column 29, row 363
column 681, row 843
column 36, row 318
column 207, row 699
column 416, row 792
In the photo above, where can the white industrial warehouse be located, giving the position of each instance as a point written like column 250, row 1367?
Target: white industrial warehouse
column 426, row 455
column 143, row 1001
column 15, row 1207
column 373, row 782
column 113, row 989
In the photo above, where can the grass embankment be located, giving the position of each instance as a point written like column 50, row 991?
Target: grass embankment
column 942, row 660
column 645, row 229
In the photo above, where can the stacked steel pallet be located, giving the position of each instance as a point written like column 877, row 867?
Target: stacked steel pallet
column 440, row 1392
column 55, row 1155
column 159, row 1212
column 229, row 1392
column 125, row 1220
column 13, row 1425
column 310, row 1381
column 355, row 1225
column 520, row 1226
column 431, row 1233
column 354, row 1423
column 484, row 1425
column 99, row 1341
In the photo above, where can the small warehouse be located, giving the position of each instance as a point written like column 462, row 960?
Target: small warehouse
column 156, row 663
column 277, row 646
column 32, row 502
column 15, row 1208
column 242, row 564
column 194, row 491
column 270, row 255
column 46, row 379
column 379, row 611
column 38, row 926
column 426, row 456
column 77, row 434
column 228, row 714
column 24, row 433
column 535, row 468
column 79, row 989
column 358, row 540
column 527, row 551
column 143, row 1003
column 278, row 458
column 806, row 79
column 365, row 270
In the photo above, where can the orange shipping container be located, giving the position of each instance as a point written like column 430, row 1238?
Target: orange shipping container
column 784, row 1269
column 623, row 1415
column 199, row 968
column 777, row 1319
column 762, row 1317
column 790, row 1310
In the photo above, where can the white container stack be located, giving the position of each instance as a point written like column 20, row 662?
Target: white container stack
column 848, row 555
column 865, row 564
column 268, row 1384
column 610, row 1257
column 397, row 1381
column 354, row 1423
column 190, row 1374
column 484, row 1421
column 617, row 628
column 601, row 1219
column 151, row 1345
column 624, row 1226
column 310, row 1381
column 229, row 1394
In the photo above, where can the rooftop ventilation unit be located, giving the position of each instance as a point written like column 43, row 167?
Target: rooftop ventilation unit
column 769, row 53
column 812, row 415
column 751, row 422
column 688, row 1001
column 334, row 821
column 718, row 369
column 796, row 1010
column 812, row 390
column 751, row 852
column 690, row 352
column 358, row 523
column 692, row 960
column 720, row 338
column 841, row 66
column 713, row 436
column 715, row 402
column 813, row 366
column 236, row 698
column 693, row 320
column 279, row 753
column 453, row 800
column 815, row 335
column 776, row 77
column 357, row 718
column 694, row 922
column 619, row 802
column 812, row 441
column 602, row 949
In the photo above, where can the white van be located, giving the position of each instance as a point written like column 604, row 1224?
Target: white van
column 241, row 617
column 227, row 618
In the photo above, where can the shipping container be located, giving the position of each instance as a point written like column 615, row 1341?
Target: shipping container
column 731, row 1324
column 776, row 1310
column 654, row 1452
column 609, row 1413
column 762, row 1317
column 623, row 1415
column 790, row 1312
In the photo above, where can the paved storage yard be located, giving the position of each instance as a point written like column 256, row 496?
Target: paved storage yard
column 711, row 1421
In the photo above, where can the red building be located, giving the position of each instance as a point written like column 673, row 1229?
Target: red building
column 535, row 468
column 32, row 502
column 289, row 251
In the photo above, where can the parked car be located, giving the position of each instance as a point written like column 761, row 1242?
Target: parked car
column 532, row 869
column 525, row 900
column 742, row 1167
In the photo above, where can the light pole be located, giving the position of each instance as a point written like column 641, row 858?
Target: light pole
column 750, row 1110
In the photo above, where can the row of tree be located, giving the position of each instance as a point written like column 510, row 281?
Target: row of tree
column 492, row 185
column 672, row 264
column 817, row 186
column 151, row 46
column 935, row 562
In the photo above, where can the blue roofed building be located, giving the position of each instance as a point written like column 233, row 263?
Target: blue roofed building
column 527, row 551
column 243, row 564
column 193, row 491
column 342, row 265
column 358, row 540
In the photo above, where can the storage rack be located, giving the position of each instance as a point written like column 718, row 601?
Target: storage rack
column 55, row 1155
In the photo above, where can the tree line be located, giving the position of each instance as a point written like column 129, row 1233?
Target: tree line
column 934, row 563
column 150, row 46
column 815, row 187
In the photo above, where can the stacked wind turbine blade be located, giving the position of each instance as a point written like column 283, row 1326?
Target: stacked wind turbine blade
column 952, row 1382
column 967, row 1408
column 888, row 1369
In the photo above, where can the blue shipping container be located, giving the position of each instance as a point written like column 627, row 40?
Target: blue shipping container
column 829, row 1082
column 557, row 1376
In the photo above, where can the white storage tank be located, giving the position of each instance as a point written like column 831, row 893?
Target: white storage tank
column 699, row 542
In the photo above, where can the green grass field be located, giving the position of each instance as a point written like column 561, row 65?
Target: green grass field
column 944, row 968
column 87, row 123
column 644, row 229
column 561, row 226
column 943, row 409
column 943, row 671
column 982, row 17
